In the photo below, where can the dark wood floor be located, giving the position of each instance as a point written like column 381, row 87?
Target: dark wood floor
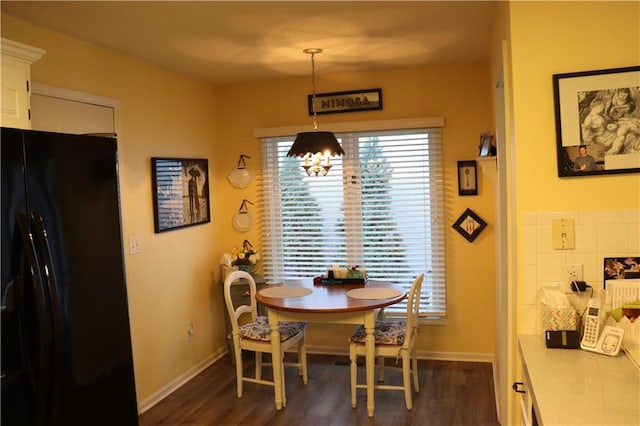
column 451, row 393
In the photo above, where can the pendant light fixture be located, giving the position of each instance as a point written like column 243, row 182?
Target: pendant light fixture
column 315, row 147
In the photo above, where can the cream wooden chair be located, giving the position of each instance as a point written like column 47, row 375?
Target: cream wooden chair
column 393, row 339
column 256, row 336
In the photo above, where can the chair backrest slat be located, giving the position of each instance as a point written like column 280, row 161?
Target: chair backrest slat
column 251, row 308
column 413, row 307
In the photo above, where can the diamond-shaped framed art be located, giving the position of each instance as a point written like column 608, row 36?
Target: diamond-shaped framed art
column 469, row 225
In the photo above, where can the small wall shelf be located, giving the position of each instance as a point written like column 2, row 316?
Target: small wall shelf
column 489, row 167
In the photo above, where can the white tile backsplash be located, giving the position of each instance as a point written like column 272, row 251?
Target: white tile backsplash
column 530, row 250
column 530, row 218
column 584, row 237
column 613, row 237
column 549, row 266
column 598, row 234
column 630, row 216
column 530, row 284
column 601, row 216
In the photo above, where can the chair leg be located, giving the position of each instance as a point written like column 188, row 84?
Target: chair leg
column 406, row 379
column 353, row 372
column 238, row 353
column 414, row 368
column 380, row 369
column 258, row 374
column 284, row 392
column 302, row 359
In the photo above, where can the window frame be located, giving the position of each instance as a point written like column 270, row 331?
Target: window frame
column 420, row 125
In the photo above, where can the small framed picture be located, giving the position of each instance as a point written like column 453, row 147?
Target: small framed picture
column 621, row 268
column 467, row 178
column 180, row 192
column 487, row 148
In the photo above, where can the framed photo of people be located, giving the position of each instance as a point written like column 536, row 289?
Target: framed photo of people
column 597, row 117
column 180, row 192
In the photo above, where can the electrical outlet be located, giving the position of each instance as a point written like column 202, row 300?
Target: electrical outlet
column 575, row 272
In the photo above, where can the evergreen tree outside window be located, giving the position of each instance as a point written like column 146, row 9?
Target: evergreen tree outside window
column 380, row 207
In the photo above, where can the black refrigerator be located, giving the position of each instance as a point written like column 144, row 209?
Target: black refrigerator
column 66, row 344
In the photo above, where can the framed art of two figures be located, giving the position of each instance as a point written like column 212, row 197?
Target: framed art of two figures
column 598, row 121
column 180, row 192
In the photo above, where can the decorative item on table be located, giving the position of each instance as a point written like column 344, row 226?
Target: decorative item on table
column 244, row 259
column 349, row 275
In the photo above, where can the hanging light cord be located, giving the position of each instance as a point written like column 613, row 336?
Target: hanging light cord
column 313, row 87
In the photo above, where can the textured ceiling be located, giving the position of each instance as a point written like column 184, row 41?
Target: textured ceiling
column 241, row 41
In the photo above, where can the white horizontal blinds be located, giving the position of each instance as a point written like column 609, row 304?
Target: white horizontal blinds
column 300, row 223
column 399, row 173
column 380, row 207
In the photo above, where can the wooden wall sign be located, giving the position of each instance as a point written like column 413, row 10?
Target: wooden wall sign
column 355, row 100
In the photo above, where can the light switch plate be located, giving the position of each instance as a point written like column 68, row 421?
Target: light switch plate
column 135, row 246
column 563, row 234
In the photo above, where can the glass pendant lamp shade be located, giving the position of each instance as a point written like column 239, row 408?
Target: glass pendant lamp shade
column 315, row 147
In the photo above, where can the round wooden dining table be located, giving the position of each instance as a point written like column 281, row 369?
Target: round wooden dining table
column 301, row 300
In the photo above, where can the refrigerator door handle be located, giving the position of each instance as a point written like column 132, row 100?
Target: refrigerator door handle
column 39, row 375
column 57, row 321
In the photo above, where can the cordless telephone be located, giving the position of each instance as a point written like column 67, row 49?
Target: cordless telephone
column 609, row 341
column 591, row 325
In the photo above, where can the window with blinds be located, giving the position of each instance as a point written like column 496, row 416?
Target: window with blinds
column 380, row 207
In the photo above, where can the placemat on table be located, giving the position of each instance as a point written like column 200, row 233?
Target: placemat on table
column 373, row 293
column 285, row 291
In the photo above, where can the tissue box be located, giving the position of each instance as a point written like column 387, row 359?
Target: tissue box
column 559, row 318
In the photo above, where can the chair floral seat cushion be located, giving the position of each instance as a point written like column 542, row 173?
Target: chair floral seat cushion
column 260, row 329
column 385, row 333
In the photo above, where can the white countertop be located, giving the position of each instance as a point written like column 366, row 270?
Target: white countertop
column 576, row 387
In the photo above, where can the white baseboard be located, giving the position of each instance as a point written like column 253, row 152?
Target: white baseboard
column 179, row 381
column 442, row 356
column 456, row 356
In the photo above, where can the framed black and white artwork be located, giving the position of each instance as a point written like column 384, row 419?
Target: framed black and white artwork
column 180, row 192
column 598, row 121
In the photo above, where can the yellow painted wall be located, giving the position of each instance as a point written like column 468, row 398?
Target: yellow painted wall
column 162, row 114
column 566, row 37
column 549, row 38
column 176, row 277
column 458, row 93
